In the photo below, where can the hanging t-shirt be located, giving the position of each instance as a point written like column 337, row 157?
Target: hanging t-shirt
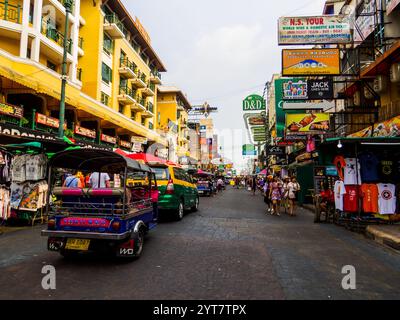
column 339, row 190
column 350, row 199
column 340, row 164
column 386, row 168
column 369, row 167
column 370, row 198
column 387, row 198
column 352, row 174
column 398, row 198
column 18, row 168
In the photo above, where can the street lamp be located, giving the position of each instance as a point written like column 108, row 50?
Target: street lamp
column 68, row 9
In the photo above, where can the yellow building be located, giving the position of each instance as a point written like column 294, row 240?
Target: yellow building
column 112, row 78
column 172, row 119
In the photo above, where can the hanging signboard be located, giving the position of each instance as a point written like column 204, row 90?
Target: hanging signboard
column 299, row 89
column 256, row 121
column 108, row 139
column 310, row 62
column 304, row 124
column 48, row 121
column 10, row 110
column 391, row 5
column 314, row 30
column 276, row 151
column 249, row 150
column 85, row 132
column 389, row 128
column 125, row 144
column 295, row 89
column 254, row 103
column 310, row 105
column 137, row 139
column 365, row 23
column 320, row 89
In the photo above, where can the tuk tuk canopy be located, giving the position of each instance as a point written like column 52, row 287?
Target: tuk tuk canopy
column 96, row 161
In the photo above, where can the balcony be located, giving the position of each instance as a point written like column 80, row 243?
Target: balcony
column 79, row 74
column 127, row 69
column 139, row 81
column 56, row 36
column 139, row 105
column 114, row 27
column 155, row 77
column 149, row 91
column 126, row 95
column 181, row 107
column 149, row 112
column 80, row 47
column 10, row 12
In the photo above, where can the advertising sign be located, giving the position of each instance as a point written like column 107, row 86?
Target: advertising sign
column 276, row 151
column 249, row 150
column 125, row 144
column 108, row 139
column 320, row 89
column 85, row 132
column 295, row 89
column 391, row 5
column 256, row 121
column 310, row 105
column 310, row 62
column 389, row 128
column 10, row 110
column 307, row 123
column 48, row 121
column 137, row 139
column 314, row 30
column 254, row 103
column 365, row 23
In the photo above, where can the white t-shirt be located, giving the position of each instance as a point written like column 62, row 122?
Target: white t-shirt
column 340, row 190
column 387, row 198
column 350, row 176
column 293, row 187
column 94, row 180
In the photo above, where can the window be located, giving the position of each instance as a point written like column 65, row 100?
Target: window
column 121, row 109
column 28, row 53
column 133, row 116
column 159, row 117
column 106, row 73
column 108, row 44
column 151, row 127
column 143, row 121
column 51, row 65
column 105, row 99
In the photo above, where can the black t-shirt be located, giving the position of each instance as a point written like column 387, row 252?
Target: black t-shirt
column 386, row 168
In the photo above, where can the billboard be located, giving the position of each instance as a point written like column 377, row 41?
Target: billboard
column 302, row 124
column 320, row 89
column 300, row 89
column 314, row 30
column 365, row 23
column 310, row 62
column 254, row 103
column 249, row 150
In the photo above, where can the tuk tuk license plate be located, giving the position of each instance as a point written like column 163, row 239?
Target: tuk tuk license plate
column 77, row 244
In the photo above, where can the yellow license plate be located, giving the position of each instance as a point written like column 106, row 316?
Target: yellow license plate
column 78, row 244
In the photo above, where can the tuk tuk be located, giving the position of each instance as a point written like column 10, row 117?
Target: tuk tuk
column 204, row 183
column 108, row 219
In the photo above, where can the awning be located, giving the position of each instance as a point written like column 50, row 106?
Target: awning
column 382, row 64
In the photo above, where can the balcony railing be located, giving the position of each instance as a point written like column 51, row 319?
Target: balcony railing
column 125, row 63
column 113, row 18
column 141, row 101
column 152, row 86
column 128, row 91
column 56, row 36
column 156, row 74
column 10, row 12
column 79, row 74
column 80, row 43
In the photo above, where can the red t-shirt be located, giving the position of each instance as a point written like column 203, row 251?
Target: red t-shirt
column 340, row 164
column 351, row 199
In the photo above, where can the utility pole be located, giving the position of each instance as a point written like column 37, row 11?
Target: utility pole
column 68, row 9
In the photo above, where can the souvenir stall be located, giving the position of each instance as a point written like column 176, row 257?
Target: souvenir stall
column 23, row 185
column 365, row 179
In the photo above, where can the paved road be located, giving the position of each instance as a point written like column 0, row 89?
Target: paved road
column 230, row 249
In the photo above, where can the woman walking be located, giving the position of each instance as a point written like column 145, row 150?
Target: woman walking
column 285, row 193
column 293, row 189
column 267, row 198
column 275, row 193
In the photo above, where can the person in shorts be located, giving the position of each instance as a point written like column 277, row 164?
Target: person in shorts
column 275, row 194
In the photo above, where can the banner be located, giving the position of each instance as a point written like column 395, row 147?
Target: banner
column 320, row 89
column 389, row 128
column 257, row 121
column 10, row 110
column 314, row 30
column 249, row 150
column 295, row 89
column 85, row 132
column 125, row 144
column 48, row 121
column 276, row 151
column 391, row 5
column 310, row 62
column 137, row 139
column 304, row 124
column 108, row 139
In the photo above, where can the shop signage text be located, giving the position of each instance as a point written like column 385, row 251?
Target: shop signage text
column 254, row 103
column 137, row 139
column 303, row 124
column 10, row 110
column 276, row 151
column 108, row 139
column 16, row 131
column 125, row 144
column 314, row 30
column 48, row 121
column 85, row 132
column 310, row 62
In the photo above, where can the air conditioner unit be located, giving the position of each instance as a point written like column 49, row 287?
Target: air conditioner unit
column 380, row 84
column 395, row 73
column 357, row 98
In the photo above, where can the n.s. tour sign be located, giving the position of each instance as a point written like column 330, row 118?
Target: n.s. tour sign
column 254, row 102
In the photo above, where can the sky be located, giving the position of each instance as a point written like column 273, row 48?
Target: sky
column 219, row 51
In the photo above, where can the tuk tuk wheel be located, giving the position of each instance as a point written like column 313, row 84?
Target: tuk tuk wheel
column 139, row 240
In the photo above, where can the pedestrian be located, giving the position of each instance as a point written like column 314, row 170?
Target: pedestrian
column 267, row 198
column 99, row 180
column 285, row 193
column 72, row 180
column 254, row 185
column 293, row 189
column 275, row 194
column 220, row 183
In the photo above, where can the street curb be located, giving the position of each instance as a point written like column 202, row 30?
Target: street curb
column 383, row 238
